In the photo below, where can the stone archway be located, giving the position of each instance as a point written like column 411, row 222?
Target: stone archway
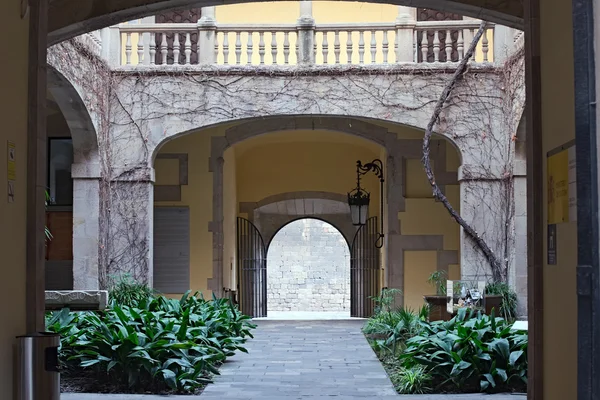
column 86, row 174
column 272, row 213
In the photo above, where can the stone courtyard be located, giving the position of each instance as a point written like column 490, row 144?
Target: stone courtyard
column 308, row 268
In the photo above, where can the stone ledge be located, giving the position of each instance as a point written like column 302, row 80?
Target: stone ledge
column 76, row 300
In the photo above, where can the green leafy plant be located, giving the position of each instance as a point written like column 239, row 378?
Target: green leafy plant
column 415, row 380
column 508, row 308
column 47, row 233
column 386, row 301
column 438, row 280
column 470, row 352
column 156, row 345
column 127, row 292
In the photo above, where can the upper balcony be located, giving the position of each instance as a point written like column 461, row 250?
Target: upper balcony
column 404, row 40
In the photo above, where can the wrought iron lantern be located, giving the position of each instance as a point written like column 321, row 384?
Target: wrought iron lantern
column 359, row 199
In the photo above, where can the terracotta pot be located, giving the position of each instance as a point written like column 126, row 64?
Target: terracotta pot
column 493, row 301
column 437, row 308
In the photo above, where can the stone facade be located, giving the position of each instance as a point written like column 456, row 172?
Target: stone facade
column 308, row 268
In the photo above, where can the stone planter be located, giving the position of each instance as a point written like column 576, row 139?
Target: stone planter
column 437, row 308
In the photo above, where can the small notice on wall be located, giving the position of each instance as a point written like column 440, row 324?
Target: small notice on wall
column 11, row 170
column 551, row 244
column 562, row 184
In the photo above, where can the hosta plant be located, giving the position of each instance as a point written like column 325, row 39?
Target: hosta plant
column 470, row 352
column 160, row 343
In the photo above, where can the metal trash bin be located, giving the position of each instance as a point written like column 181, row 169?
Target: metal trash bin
column 36, row 371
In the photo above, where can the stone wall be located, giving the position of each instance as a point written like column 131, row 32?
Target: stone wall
column 308, row 268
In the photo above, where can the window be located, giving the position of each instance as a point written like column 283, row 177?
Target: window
column 60, row 183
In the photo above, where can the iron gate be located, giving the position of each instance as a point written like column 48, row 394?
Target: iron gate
column 251, row 269
column 364, row 270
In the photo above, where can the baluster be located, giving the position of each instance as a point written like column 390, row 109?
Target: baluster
column 349, row 47
column 460, row 45
column 176, row 48
column 436, row 46
column 152, row 48
column 415, row 46
column 249, row 46
column 261, row 47
column 337, row 47
column 274, row 47
column 164, row 49
column 448, row 45
column 373, row 47
column 216, row 50
column 238, row 47
column 361, row 47
column 297, row 49
column 424, row 46
column 128, row 48
column 325, row 47
column 286, row 47
column 188, row 49
column 385, row 47
column 485, row 45
column 140, row 48
column 225, row 48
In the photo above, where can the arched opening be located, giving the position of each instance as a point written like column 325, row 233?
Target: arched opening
column 308, row 272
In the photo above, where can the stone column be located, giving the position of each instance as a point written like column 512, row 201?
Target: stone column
column 111, row 45
column 483, row 203
column 405, row 39
column 517, row 278
column 306, row 34
column 207, row 36
column 86, row 233
column 129, row 240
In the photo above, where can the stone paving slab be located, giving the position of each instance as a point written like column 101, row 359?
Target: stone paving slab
column 302, row 360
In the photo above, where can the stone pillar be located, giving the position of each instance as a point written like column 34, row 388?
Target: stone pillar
column 306, row 34
column 405, row 39
column 86, row 227
column 504, row 42
column 483, row 203
column 517, row 278
column 129, row 240
column 207, row 36
column 216, row 163
column 111, row 45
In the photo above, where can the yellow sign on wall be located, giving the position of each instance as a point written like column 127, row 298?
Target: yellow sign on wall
column 562, row 193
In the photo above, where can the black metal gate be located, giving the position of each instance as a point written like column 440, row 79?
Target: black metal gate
column 251, row 269
column 364, row 270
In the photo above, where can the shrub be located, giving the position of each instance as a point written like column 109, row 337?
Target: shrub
column 470, row 352
column 415, row 380
column 127, row 292
column 160, row 343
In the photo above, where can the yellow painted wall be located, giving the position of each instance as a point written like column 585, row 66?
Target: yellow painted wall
column 197, row 195
column 558, row 127
column 290, row 166
column 425, row 216
column 13, row 113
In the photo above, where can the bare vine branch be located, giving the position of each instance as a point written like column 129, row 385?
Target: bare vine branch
column 437, row 192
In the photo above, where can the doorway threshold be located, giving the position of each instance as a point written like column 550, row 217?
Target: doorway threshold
column 307, row 316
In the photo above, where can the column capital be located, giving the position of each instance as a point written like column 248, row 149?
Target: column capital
column 86, row 171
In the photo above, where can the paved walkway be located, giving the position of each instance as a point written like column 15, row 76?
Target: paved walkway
column 303, row 360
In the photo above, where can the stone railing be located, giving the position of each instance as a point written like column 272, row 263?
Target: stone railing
column 304, row 43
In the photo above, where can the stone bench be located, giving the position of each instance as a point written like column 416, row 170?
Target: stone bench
column 76, row 300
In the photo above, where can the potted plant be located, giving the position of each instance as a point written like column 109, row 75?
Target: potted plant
column 500, row 297
column 437, row 302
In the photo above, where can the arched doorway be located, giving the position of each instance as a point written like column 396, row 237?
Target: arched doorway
column 308, row 271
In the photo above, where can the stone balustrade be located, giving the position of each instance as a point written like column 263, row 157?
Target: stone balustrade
column 303, row 43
